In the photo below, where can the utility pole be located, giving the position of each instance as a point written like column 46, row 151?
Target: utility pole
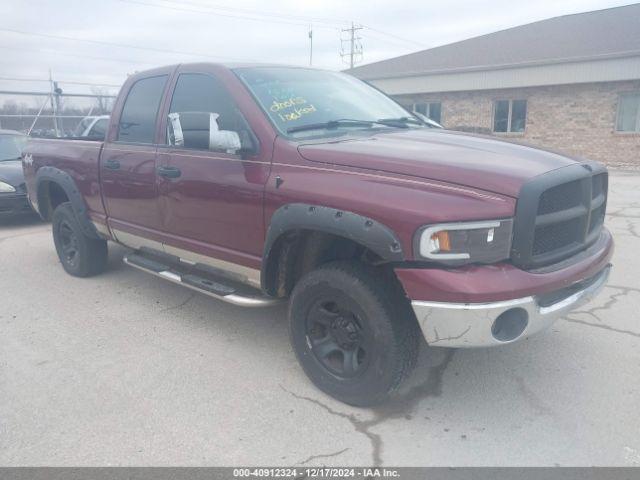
column 310, row 44
column 55, row 102
column 355, row 47
column 59, row 121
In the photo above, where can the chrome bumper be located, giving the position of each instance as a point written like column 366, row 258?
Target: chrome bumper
column 465, row 325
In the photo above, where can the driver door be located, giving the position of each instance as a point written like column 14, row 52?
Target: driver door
column 211, row 198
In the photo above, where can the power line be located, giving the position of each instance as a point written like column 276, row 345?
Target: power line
column 390, row 41
column 90, row 84
column 209, row 8
column 17, row 79
column 307, row 19
column 78, row 55
column 47, row 94
column 406, row 40
column 120, row 45
column 355, row 48
column 217, row 14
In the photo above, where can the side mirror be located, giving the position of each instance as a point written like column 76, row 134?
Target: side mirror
column 200, row 130
column 225, row 140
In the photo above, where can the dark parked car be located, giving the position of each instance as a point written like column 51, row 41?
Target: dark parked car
column 256, row 184
column 13, row 194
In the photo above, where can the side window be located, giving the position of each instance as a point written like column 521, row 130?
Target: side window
column 203, row 116
column 138, row 119
column 99, row 129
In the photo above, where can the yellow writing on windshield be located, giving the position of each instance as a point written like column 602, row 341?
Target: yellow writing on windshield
column 296, row 113
column 291, row 102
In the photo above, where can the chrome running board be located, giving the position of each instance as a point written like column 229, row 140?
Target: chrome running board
column 199, row 279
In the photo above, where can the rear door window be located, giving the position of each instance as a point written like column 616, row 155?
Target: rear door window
column 140, row 111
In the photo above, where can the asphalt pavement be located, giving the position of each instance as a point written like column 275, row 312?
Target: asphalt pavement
column 127, row 369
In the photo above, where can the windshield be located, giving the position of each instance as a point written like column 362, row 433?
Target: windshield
column 297, row 97
column 11, row 146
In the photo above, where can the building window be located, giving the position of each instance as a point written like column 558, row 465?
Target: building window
column 429, row 109
column 509, row 116
column 628, row 113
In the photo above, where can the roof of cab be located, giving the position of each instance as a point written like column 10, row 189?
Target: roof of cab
column 227, row 65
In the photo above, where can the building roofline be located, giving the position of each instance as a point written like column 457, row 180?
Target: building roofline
column 504, row 66
column 356, row 71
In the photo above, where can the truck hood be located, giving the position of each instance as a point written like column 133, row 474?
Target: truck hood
column 476, row 161
column 11, row 172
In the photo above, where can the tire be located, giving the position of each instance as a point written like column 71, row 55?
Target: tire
column 354, row 334
column 80, row 255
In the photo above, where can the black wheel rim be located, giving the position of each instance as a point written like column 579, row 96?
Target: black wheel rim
column 339, row 337
column 68, row 243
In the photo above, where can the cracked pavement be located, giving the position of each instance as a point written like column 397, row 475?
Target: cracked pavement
column 127, row 369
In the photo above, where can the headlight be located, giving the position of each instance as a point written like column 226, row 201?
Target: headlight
column 6, row 188
column 468, row 242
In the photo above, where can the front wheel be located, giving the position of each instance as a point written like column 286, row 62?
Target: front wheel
column 80, row 255
column 352, row 334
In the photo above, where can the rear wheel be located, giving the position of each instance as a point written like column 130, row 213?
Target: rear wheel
column 352, row 334
column 80, row 255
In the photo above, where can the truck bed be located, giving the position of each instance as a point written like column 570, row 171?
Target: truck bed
column 77, row 157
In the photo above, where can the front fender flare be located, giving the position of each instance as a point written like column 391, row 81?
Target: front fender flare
column 370, row 233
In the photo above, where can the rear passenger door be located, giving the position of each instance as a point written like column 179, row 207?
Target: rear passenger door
column 211, row 196
column 128, row 165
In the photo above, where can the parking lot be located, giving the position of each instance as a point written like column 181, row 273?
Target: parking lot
column 127, row 369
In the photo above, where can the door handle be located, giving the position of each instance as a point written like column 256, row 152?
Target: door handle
column 112, row 164
column 169, row 172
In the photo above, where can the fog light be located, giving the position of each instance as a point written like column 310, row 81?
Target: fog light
column 510, row 324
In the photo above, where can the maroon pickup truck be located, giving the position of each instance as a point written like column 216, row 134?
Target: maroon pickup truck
column 255, row 184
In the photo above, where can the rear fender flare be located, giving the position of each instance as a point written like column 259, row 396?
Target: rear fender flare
column 66, row 182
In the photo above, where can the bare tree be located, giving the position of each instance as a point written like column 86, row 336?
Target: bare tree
column 10, row 107
column 102, row 104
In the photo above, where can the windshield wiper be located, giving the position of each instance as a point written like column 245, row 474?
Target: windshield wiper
column 343, row 122
column 400, row 121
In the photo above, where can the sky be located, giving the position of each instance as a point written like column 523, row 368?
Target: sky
column 103, row 41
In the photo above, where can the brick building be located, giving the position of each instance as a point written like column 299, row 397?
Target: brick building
column 569, row 83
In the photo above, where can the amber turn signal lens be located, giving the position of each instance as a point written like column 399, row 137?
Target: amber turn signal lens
column 441, row 239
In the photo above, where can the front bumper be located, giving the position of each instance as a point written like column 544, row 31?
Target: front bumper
column 14, row 204
column 495, row 323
